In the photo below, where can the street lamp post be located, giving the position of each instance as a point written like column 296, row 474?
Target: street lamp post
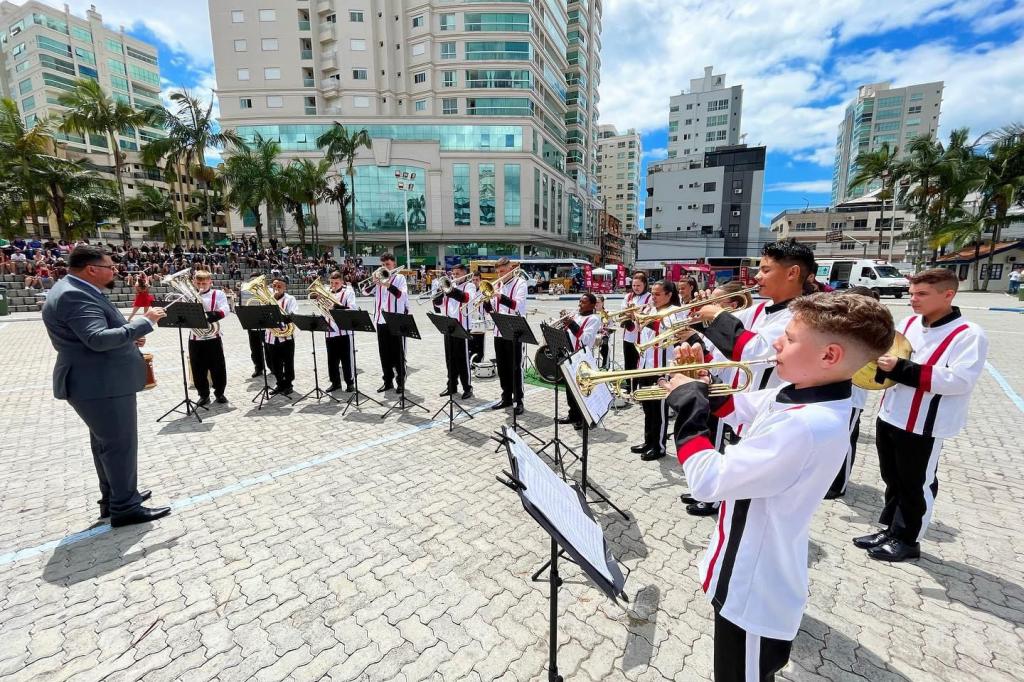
column 405, row 184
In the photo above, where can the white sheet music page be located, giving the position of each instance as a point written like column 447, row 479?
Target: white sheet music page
column 559, row 504
column 596, row 405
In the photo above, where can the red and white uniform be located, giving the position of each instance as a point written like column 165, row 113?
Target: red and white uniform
column 759, row 326
column 289, row 306
column 659, row 355
column 452, row 308
column 587, row 328
column 515, row 290
column 345, row 298
column 629, row 301
column 386, row 301
column 214, row 300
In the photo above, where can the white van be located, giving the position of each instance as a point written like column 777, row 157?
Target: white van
column 875, row 275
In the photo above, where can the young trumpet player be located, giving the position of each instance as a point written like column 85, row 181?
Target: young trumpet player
column 509, row 299
column 392, row 297
column 341, row 350
column 456, row 351
column 754, row 572
column 582, row 329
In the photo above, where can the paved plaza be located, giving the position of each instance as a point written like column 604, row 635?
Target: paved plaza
column 306, row 546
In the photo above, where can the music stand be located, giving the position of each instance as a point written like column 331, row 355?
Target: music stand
column 404, row 326
column 593, row 407
column 450, row 328
column 562, row 512
column 313, row 324
column 355, row 321
column 559, row 348
column 516, row 328
column 184, row 315
column 262, row 318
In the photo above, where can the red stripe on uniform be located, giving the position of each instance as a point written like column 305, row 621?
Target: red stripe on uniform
column 718, row 548
column 727, row 408
column 692, row 447
column 741, row 342
column 757, row 313
column 926, row 375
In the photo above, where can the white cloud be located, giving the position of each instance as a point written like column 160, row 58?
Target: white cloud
column 812, row 186
column 656, row 154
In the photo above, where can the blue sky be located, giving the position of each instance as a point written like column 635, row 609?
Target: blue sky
column 799, row 61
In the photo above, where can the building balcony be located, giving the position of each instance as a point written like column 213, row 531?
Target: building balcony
column 324, row 6
column 331, row 87
column 328, row 32
column 329, row 61
column 303, row 24
column 305, row 54
column 308, row 83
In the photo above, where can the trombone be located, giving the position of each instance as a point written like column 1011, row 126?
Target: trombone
column 587, row 378
column 488, row 289
column 625, row 314
column 746, row 294
column 444, row 285
column 380, row 276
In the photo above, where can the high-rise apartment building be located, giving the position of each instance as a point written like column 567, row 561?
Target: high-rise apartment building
column 705, row 117
column 619, row 158
column 882, row 114
column 493, row 106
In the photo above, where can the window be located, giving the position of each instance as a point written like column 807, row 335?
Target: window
column 503, row 50
column 485, row 181
column 241, row 45
column 25, row 86
column 847, row 246
column 916, row 96
column 689, row 107
column 357, row 44
column 421, row 105
column 513, row 206
column 715, row 135
column 710, row 186
column 460, row 193
column 719, row 120
column 55, row 46
column 28, row 104
column 244, row 103
column 418, row 21
column 275, row 101
column 141, row 56
column 359, row 74
column 707, row 208
column 80, row 33
column 496, row 21
column 420, row 77
column 447, row 22
column 138, row 73
column 272, row 73
column 268, row 15
column 237, row 16
column 448, row 79
column 916, row 109
column 356, row 17
column 361, row 102
column 419, row 49
column 243, row 74
column 268, row 44
column 449, row 105
column 448, row 50
column 59, row 65
column 95, row 75
column 117, row 67
column 997, row 271
column 718, row 105
column 18, row 50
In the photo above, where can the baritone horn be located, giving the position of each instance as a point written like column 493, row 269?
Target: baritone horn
column 263, row 295
column 587, row 378
column 181, row 281
column 865, row 376
column 323, row 299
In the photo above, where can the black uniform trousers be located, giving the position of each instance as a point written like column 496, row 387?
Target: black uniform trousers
column 114, row 438
column 256, row 350
column 655, row 417
column 908, row 463
column 281, row 362
column 508, row 356
column 842, row 480
column 574, row 409
column 340, row 351
column 630, row 355
column 207, row 360
column 392, row 356
column 476, row 347
column 741, row 656
column 456, row 358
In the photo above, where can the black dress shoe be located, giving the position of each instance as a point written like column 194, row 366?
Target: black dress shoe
column 332, row 388
column 385, row 387
column 500, row 405
column 139, row 515
column 578, row 425
column 446, row 392
column 686, row 499
column 257, row 373
column 639, row 449
column 894, row 549
column 834, row 494
column 652, row 454
column 702, row 509
column 519, row 409
column 105, row 507
column 349, row 388
column 873, row 540
column 221, row 399
column 204, row 401
column 566, row 420
column 467, row 394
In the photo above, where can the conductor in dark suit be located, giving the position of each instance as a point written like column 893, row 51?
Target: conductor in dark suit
column 99, row 370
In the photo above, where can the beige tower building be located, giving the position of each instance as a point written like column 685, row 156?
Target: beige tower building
column 490, row 104
column 705, row 117
column 619, row 157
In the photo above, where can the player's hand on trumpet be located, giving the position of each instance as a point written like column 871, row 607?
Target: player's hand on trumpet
column 705, row 313
column 686, row 354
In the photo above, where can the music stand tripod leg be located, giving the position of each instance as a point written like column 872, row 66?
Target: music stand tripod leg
column 555, row 581
column 316, row 391
column 357, row 396
column 601, row 497
column 191, row 407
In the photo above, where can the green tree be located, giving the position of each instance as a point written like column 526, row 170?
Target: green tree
column 152, row 204
column 1003, row 182
column 341, row 147
column 303, row 182
column 251, row 172
column 21, row 150
column 878, row 165
column 337, row 193
column 85, row 210
column 60, row 180
column 90, row 110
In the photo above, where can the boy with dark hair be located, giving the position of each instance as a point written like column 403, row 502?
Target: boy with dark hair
column 755, row 570
column 392, row 297
column 928, row 404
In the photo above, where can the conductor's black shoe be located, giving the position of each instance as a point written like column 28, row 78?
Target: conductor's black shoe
column 385, row 387
column 652, row 454
column 894, row 549
column 701, row 509
column 446, row 392
column 834, row 494
column 467, row 394
column 639, row 449
column 501, row 405
column 204, row 401
column 332, row 388
column 873, row 540
column 139, row 515
column 686, row 499
column 257, row 373
column 221, row 399
column 566, row 420
column 105, row 506
column 519, row 409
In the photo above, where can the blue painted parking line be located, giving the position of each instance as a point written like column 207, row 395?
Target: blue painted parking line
column 1005, row 385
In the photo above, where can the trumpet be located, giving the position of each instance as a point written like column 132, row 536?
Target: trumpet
column 746, row 294
column 559, row 322
column 587, row 378
column 675, row 334
column 625, row 314
column 488, row 289
column 444, row 285
column 381, row 276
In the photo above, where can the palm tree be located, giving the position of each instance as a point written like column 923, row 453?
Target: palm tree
column 340, row 146
column 337, row 193
column 963, row 228
column 878, row 165
column 92, row 111
column 152, row 204
column 251, row 172
column 86, row 210
column 60, row 180
column 1003, row 182
column 21, row 149
column 417, row 208
column 303, row 183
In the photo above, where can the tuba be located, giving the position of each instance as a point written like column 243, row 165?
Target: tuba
column 181, row 281
column 262, row 295
column 323, row 299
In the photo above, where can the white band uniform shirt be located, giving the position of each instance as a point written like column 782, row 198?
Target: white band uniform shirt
column 515, row 291
column 586, row 333
column 346, row 299
column 214, row 300
column 632, row 299
column 289, row 306
column 452, row 307
column 392, row 298
column 385, row 300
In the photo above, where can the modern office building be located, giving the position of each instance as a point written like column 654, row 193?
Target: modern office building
column 619, row 158
column 705, row 117
column 706, row 208
column 881, row 114
column 493, row 106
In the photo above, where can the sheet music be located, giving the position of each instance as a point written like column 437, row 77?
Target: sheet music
column 559, row 504
column 596, row 405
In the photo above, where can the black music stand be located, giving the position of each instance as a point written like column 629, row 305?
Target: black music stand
column 184, row 315
column 450, row 328
column 559, row 348
column 355, row 321
column 262, row 318
column 593, row 408
column 404, row 326
column 313, row 324
column 563, row 513
column 516, row 327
